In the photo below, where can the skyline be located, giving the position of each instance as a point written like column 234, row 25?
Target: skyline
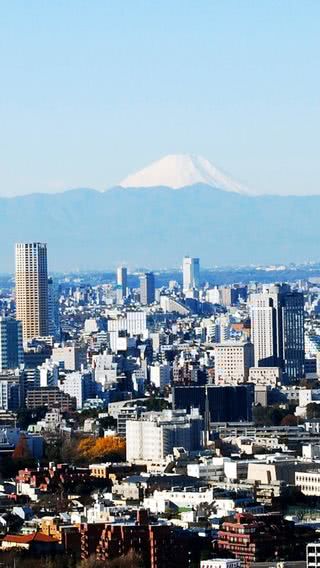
column 160, row 284
column 94, row 92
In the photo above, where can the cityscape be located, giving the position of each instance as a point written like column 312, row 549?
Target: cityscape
column 160, row 284
column 158, row 425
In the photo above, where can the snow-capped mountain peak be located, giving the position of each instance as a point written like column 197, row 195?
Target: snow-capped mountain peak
column 182, row 170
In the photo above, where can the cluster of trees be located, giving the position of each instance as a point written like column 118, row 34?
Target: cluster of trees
column 313, row 410
column 273, row 416
column 130, row 560
column 85, row 449
column 26, row 416
column 95, row 449
column 157, row 404
column 20, row 458
column 23, row 560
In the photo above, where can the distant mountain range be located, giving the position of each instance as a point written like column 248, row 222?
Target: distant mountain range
column 88, row 229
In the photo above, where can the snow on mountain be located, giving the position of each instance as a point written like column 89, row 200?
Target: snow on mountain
column 182, row 170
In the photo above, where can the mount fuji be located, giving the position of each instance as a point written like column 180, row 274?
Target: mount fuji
column 182, row 170
column 179, row 205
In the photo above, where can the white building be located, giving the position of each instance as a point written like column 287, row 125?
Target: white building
column 309, row 482
column 78, row 385
column 306, row 396
column 172, row 305
column 311, row 451
column 313, row 554
column 137, row 323
column 213, row 295
column 181, row 498
column 232, row 362
column 220, row 563
column 191, row 273
column 49, row 374
column 91, row 325
column 155, row 434
column 262, row 325
column 265, row 376
column 105, row 369
column 134, row 323
column 209, row 469
column 160, row 375
column 70, row 356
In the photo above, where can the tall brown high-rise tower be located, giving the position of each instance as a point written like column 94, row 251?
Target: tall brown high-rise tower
column 32, row 289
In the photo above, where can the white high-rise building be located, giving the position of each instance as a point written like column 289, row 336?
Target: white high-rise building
column 277, row 323
column 32, row 289
column 264, row 332
column 191, row 273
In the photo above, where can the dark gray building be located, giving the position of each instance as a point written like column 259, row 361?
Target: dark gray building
column 147, row 288
column 224, row 403
column 11, row 344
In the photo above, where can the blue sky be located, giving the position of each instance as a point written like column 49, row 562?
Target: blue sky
column 94, row 90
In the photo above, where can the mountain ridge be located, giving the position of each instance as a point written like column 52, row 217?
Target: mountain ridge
column 86, row 228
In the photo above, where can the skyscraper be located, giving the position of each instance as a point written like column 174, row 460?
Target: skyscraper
column 277, row 323
column 122, row 279
column 11, row 345
column 53, row 310
column 191, row 273
column 32, row 289
column 147, row 288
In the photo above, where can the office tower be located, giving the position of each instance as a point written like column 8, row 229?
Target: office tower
column 53, row 310
column 191, row 273
column 122, row 282
column 277, row 323
column 11, row 345
column 147, row 288
column 32, row 289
